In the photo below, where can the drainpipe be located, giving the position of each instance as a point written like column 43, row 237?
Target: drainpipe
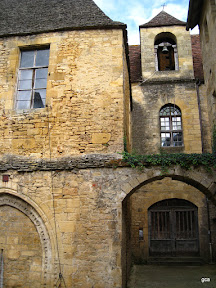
column 200, row 114
column 1, row 269
column 209, row 232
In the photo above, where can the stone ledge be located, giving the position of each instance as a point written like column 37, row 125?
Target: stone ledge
column 27, row 164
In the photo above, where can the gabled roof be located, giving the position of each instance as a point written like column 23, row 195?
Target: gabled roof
column 135, row 60
column 163, row 19
column 20, row 17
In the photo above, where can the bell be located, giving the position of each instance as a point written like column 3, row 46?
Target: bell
column 165, row 50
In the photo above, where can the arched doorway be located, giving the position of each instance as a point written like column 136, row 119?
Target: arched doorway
column 146, row 189
column 173, row 228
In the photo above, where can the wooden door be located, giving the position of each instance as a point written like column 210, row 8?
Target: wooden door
column 173, row 228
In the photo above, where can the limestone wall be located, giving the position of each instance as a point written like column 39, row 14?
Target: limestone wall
column 208, row 40
column 81, row 217
column 148, row 99
column 85, row 95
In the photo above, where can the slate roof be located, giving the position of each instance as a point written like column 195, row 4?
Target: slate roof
column 163, row 19
column 135, row 60
column 20, row 17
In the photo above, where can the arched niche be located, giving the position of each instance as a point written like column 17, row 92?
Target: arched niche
column 11, row 201
column 166, row 53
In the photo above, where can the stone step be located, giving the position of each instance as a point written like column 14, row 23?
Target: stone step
column 175, row 261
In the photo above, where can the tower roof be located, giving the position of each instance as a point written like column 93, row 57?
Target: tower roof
column 163, row 19
column 20, row 17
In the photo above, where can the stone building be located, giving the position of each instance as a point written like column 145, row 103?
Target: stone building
column 69, row 211
column 64, row 92
column 169, row 116
column 203, row 13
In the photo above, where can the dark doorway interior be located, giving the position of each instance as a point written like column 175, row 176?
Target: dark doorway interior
column 173, row 228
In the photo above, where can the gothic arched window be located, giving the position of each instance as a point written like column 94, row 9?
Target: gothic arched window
column 166, row 56
column 171, row 126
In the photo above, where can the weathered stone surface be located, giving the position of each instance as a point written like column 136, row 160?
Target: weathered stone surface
column 22, row 163
column 86, row 96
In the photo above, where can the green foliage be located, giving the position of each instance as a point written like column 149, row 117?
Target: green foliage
column 186, row 161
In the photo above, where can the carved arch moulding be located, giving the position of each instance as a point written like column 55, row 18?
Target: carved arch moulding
column 7, row 199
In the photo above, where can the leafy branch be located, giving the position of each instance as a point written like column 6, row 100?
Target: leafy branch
column 186, row 161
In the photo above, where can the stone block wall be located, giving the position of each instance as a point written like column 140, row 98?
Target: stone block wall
column 208, row 35
column 22, row 251
column 208, row 40
column 82, row 218
column 86, row 94
column 148, row 99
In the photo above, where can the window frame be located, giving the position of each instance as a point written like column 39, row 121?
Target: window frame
column 33, row 89
column 171, row 129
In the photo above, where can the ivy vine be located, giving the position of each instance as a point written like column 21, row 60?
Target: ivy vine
column 186, row 161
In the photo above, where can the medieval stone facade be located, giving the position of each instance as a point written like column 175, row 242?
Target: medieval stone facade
column 168, row 87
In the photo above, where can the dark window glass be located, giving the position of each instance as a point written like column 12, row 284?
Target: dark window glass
column 32, row 79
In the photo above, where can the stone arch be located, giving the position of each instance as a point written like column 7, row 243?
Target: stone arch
column 198, row 178
column 7, row 199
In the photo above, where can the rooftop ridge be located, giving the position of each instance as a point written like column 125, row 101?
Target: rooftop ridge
column 36, row 16
column 163, row 19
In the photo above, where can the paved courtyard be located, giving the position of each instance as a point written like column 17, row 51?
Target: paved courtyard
column 155, row 276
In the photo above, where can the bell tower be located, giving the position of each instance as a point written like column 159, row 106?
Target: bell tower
column 165, row 48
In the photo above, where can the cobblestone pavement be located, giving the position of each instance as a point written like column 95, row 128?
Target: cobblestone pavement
column 155, row 276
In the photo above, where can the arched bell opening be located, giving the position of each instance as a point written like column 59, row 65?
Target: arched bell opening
column 166, row 54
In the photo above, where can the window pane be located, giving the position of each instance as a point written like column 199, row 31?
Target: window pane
column 42, row 58
column 40, row 83
column 42, row 93
column 165, row 124
column 25, row 84
column 176, row 123
column 26, row 74
column 177, row 139
column 24, row 95
column 39, row 98
column 41, row 73
column 27, row 59
column 165, row 139
column 23, row 104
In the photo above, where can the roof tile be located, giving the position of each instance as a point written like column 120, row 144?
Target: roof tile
column 20, row 17
column 163, row 19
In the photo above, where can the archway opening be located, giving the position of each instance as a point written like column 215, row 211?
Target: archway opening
column 166, row 52
column 169, row 201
